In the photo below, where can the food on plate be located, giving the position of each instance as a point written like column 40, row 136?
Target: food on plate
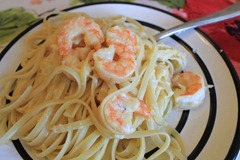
column 117, row 61
column 96, row 88
column 189, row 90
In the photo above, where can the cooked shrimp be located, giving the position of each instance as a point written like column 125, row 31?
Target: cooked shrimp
column 110, row 69
column 124, row 41
column 189, row 90
column 117, row 62
column 119, row 112
column 79, row 32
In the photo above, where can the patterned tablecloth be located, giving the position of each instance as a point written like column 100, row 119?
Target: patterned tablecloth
column 15, row 16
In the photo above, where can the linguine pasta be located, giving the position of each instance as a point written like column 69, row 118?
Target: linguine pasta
column 56, row 104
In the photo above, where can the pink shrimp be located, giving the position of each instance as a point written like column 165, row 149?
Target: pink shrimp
column 117, row 62
column 124, row 41
column 189, row 90
column 119, row 112
column 79, row 32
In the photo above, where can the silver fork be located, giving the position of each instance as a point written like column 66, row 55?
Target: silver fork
column 230, row 12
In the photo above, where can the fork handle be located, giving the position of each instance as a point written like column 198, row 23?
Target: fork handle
column 230, row 12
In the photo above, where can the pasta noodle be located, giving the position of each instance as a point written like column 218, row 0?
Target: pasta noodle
column 59, row 103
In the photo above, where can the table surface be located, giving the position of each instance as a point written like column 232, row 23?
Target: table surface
column 225, row 34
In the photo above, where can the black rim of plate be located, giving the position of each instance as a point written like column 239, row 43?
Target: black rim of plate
column 234, row 149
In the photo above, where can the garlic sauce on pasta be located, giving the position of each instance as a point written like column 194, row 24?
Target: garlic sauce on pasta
column 96, row 88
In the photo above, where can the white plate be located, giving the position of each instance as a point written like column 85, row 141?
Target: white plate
column 210, row 131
